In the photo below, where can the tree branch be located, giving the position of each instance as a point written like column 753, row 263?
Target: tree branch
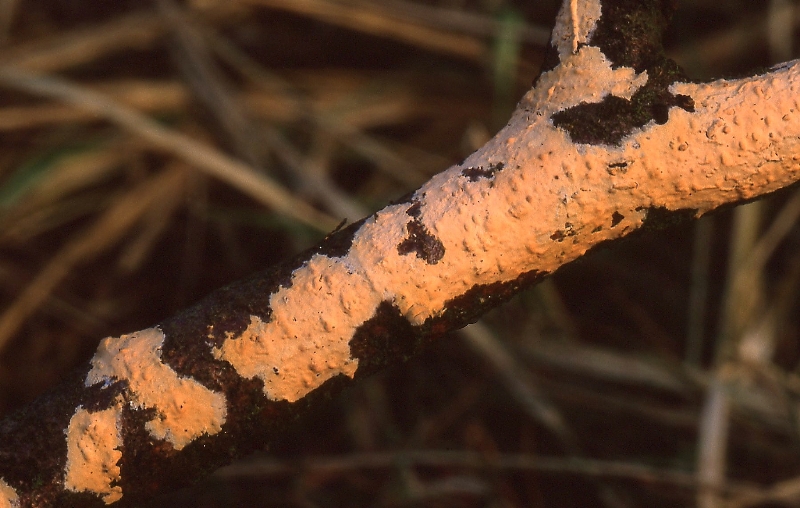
column 611, row 139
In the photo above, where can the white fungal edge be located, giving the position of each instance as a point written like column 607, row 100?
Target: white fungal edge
column 93, row 442
column 185, row 410
column 495, row 229
column 8, row 496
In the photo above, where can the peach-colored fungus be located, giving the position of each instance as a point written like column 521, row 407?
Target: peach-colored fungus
column 93, row 443
column 552, row 200
column 574, row 25
column 186, row 409
column 8, row 496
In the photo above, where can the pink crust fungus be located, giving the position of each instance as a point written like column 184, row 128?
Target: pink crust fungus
column 497, row 228
column 93, row 443
column 186, row 409
column 8, row 496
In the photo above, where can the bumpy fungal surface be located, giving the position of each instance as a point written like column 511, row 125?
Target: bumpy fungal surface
column 185, row 409
column 574, row 191
column 531, row 199
column 540, row 194
column 93, row 451
column 495, row 225
column 8, row 496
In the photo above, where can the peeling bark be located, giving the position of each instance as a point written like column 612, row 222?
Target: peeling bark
column 611, row 139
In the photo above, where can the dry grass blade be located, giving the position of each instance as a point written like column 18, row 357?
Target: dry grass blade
column 279, row 95
column 483, row 341
column 106, row 231
column 312, row 172
column 375, row 21
column 192, row 56
column 213, row 162
column 605, row 364
column 459, row 20
column 154, row 222
column 77, row 47
column 784, row 493
column 698, row 297
column 769, row 241
column 32, row 211
column 142, row 95
column 713, row 445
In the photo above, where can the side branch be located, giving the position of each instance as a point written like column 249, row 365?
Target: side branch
column 610, row 137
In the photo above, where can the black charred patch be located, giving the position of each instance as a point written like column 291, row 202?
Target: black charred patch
column 337, row 244
column 612, row 119
column 420, row 240
column 33, row 438
column 102, row 396
column 150, row 465
column 660, row 113
column 617, row 168
column 476, row 173
column 550, row 61
column 659, row 218
column 68, row 498
column 616, row 218
column 630, row 32
column 561, row 235
column 385, row 338
column 478, row 300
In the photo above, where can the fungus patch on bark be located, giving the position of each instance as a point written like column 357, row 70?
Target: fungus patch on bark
column 8, row 496
column 93, row 451
column 493, row 222
column 185, row 409
column 302, row 346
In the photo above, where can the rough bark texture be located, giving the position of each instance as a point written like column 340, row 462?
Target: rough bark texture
column 610, row 138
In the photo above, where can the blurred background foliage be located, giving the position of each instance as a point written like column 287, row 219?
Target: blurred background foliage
column 151, row 152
